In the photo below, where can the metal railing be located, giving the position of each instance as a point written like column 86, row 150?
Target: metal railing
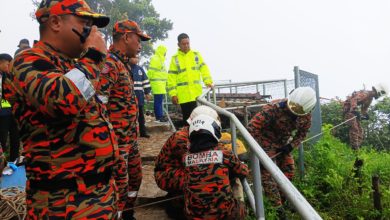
column 261, row 87
column 256, row 198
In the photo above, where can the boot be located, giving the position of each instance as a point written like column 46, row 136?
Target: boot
column 128, row 215
column 145, row 135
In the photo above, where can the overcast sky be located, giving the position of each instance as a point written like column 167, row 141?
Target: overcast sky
column 345, row 42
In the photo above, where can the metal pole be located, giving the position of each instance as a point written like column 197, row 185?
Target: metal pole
column 230, row 81
column 263, row 89
column 297, row 79
column 234, row 136
column 257, row 187
column 301, row 162
column 236, row 88
column 285, row 88
column 214, row 97
column 249, row 194
column 208, row 96
column 246, row 116
column 257, row 88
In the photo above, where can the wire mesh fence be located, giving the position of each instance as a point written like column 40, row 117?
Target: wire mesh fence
column 276, row 89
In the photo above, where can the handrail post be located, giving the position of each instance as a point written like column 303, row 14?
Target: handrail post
column 257, row 187
column 214, row 97
column 285, row 88
column 246, row 116
column 301, row 162
column 264, row 89
column 234, row 136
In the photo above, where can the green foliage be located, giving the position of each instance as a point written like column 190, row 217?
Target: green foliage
column 331, row 186
column 332, row 113
column 141, row 11
column 377, row 128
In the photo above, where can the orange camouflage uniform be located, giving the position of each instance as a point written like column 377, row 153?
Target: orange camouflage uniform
column 169, row 169
column 274, row 127
column 68, row 142
column 117, row 91
column 208, row 190
column 351, row 105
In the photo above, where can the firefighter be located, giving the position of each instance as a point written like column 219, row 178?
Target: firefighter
column 158, row 76
column 68, row 142
column 117, row 91
column 169, row 170
column 351, row 106
column 186, row 73
column 210, row 171
column 279, row 128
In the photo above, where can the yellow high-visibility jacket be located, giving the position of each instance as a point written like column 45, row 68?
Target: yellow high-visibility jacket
column 5, row 104
column 186, row 72
column 157, row 72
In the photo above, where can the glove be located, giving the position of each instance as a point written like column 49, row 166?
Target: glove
column 365, row 117
column 358, row 116
column 285, row 149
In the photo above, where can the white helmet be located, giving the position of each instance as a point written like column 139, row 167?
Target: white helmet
column 302, row 101
column 381, row 89
column 204, row 110
column 206, row 125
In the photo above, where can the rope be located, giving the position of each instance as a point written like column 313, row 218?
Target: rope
column 12, row 203
column 346, row 121
column 319, row 134
column 154, row 203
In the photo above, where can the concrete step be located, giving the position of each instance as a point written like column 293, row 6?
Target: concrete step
column 150, row 147
column 149, row 188
column 152, row 126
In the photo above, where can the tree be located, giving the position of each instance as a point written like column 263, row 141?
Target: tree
column 141, row 11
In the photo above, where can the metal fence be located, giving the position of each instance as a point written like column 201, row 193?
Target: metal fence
column 275, row 88
column 304, row 78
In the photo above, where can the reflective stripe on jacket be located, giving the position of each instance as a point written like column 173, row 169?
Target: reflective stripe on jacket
column 185, row 76
column 157, row 72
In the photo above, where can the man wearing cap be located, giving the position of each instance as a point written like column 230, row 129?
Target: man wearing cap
column 69, row 144
column 116, row 90
column 23, row 45
column 186, row 73
column 280, row 127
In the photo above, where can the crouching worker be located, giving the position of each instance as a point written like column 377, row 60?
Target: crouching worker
column 211, row 173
